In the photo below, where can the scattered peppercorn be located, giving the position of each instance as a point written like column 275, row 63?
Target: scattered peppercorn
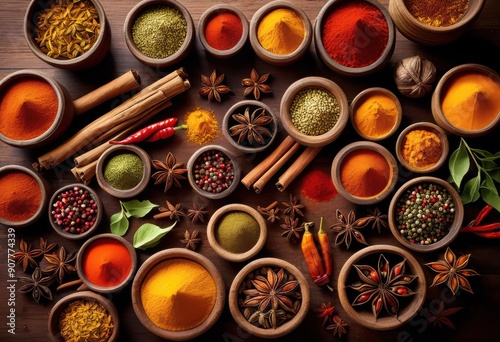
column 213, row 171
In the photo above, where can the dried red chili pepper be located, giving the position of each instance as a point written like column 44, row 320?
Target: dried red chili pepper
column 326, row 252
column 481, row 229
column 482, row 214
column 312, row 257
column 146, row 132
column 489, row 235
column 164, row 133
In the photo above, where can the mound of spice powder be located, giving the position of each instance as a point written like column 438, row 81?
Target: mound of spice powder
column 376, row 116
column 437, row 13
column 421, row 148
column 281, row 31
column 237, row 232
column 124, row 171
column 20, row 197
column 224, row 30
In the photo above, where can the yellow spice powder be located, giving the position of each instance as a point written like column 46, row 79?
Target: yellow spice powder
column 281, row 31
column 421, row 148
column 376, row 116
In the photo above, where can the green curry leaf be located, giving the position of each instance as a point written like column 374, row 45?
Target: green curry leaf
column 119, row 223
column 148, row 235
column 459, row 163
column 470, row 193
column 491, row 198
column 137, row 208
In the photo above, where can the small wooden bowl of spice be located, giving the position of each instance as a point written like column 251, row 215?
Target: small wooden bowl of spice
column 280, row 33
column 422, row 147
column 354, row 38
column 364, row 172
column 314, row 111
column 159, row 33
column 86, row 316
column 124, row 171
column 237, row 232
column 426, row 214
column 382, row 287
column 273, row 274
column 466, row 101
column 63, row 42
column 178, row 294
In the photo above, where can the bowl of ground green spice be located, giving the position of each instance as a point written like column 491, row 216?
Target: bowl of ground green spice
column 123, row 170
column 159, row 33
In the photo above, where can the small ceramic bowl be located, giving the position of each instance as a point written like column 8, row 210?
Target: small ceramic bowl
column 88, row 59
column 172, row 59
column 324, row 84
column 116, row 150
column 206, row 18
column 354, row 147
column 271, row 57
column 172, row 254
column 441, row 90
column 422, row 33
column 87, row 296
column 62, row 120
column 236, row 295
column 195, row 180
column 375, row 66
column 57, row 206
column 213, row 225
column 454, row 227
column 99, row 242
column 252, row 106
column 361, row 99
column 429, row 127
column 363, row 315
column 44, row 187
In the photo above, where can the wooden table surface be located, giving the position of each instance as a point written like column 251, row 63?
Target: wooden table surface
column 477, row 321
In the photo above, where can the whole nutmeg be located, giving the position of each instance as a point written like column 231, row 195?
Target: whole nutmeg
column 414, row 76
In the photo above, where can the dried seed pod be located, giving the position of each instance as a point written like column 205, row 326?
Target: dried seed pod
column 414, row 76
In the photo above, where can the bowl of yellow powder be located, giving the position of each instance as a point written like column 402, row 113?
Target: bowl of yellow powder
column 167, row 288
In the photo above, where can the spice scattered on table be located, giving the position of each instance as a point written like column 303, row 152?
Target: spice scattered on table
column 212, row 86
column 325, row 312
column 421, row 148
column 37, row 285
column 203, row 127
column 439, row 316
column 224, row 30
column 60, row 264
column 251, row 127
column 338, row 326
column 414, row 76
column 256, row 84
column 197, row 213
column 292, row 230
column 174, row 212
column 146, row 132
column 319, row 265
column 293, row 207
column 377, row 219
column 191, row 239
column 169, row 172
column 26, row 256
column 123, row 171
column 281, row 31
column 271, row 211
column 348, row 227
column 317, row 185
column 437, row 14
column 213, row 171
column 376, row 115
column 21, row 196
column 490, row 230
column 237, row 232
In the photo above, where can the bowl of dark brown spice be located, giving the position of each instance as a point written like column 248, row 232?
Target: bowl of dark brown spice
column 257, row 311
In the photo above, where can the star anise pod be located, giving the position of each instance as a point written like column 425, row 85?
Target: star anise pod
column 452, row 271
column 347, row 228
column 37, row 285
column 338, row 326
column 326, row 312
column 212, row 86
column 439, row 316
column 27, row 256
column 169, row 172
column 60, row 265
column 45, row 247
column 377, row 219
column 293, row 207
column 197, row 213
column 256, row 84
column 292, row 232
column 270, row 211
column 251, row 127
column 190, row 239
column 174, row 212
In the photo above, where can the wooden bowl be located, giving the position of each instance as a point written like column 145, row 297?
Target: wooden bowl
column 426, row 126
column 174, row 58
column 64, row 116
column 285, row 328
column 212, row 227
column 117, row 149
column 44, row 187
column 83, row 252
column 361, row 98
column 454, row 228
column 61, row 228
column 58, row 308
column 419, row 32
column 324, row 84
column 177, row 253
column 364, row 145
column 208, row 15
column 440, row 92
column 192, row 164
column 270, row 57
column 346, row 70
column 87, row 60
column 369, row 255
column 239, row 108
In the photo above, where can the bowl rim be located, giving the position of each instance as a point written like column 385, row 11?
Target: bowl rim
column 454, row 229
column 181, row 253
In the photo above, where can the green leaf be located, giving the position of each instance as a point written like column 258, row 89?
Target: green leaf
column 491, row 198
column 459, row 163
column 119, row 223
column 470, row 192
column 137, row 208
column 495, row 174
column 488, row 183
column 482, row 153
column 148, row 235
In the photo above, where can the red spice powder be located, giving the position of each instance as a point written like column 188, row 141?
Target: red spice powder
column 20, row 196
column 224, row 31
column 318, row 186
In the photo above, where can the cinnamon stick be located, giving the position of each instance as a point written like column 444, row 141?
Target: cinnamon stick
column 297, row 167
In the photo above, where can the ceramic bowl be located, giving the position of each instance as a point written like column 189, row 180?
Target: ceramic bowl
column 422, row 33
column 151, row 263
column 454, row 228
column 194, row 180
column 364, row 145
column 212, row 227
column 58, row 308
column 440, row 92
column 64, row 115
column 324, row 84
column 205, row 19
column 174, row 58
column 409, row 306
column 235, row 296
column 110, row 153
column 58, row 223
column 361, row 99
column 377, row 65
column 425, row 126
column 89, row 59
column 44, row 187
column 270, row 57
